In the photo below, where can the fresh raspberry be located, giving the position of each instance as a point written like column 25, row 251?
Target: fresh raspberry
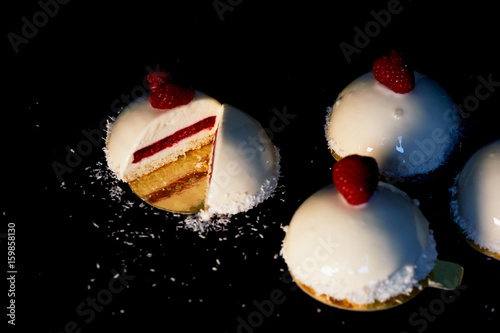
column 165, row 93
column 393, row 71
column 356, row 178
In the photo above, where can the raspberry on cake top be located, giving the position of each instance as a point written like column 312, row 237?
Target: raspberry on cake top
column 400, row 117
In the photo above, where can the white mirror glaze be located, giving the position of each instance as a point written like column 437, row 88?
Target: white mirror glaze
column 364, row 253
column 246, row 164
column 408, row 134
column 476, row 207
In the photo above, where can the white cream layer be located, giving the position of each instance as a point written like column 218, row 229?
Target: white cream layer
column 476, row 203
column 408, row 134
column 245, row 167
column 140, row 125
column 365, row 253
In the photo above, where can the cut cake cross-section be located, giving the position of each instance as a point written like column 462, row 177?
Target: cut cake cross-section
column 201, row 156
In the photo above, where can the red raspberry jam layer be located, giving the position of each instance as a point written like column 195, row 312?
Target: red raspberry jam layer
column 171, row 140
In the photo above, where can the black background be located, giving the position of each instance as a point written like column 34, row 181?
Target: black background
column 262, row 56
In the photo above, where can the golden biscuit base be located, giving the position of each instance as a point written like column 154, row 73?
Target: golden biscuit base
column 179, row 186
column 473, row 244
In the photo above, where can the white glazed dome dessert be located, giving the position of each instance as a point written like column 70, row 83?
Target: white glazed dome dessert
column 359, row 256
column 476, row 202
column 410, row 131
column 183, row 151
